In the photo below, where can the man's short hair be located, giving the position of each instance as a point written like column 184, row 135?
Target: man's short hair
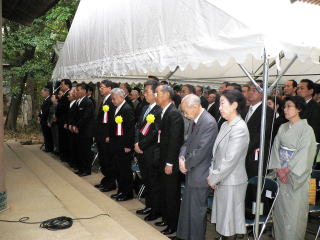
column 89, row 88
column 83, row 86
column 153, row 84
column 236, row 86
column 119, row 92
column 164, row 82
column 177, row 88
column 201, row 88
column 191, row 100
column 67, row 82
column 190, row 88
column 310, row 84
column 294, row 82
column 107, row 83
column 212, row 91
column 167, row 88
column 154, row 78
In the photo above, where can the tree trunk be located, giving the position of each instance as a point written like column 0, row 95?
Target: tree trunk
column 11, row 120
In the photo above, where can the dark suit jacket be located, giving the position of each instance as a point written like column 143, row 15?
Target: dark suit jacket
column 171, row 137
column 127, row 139
column 312, row 114
column 151, row 137
column 102, row 130
column 84, row 118
column 204, row 102
column 128, row 100
column 45, row 110
column 254, row 125
column 139, row 109
column 213, row 110
column 62, row 109
column 71, row 118
column 94, row 103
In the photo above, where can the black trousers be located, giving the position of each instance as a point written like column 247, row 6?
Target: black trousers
column 151, row 179
column 47, row 137
column 124, row 175
column 72, row 143
column 84, row 153
column 107, row 166
column 170, row 198
column 64, row 147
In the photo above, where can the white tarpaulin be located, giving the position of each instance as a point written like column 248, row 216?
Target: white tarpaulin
column 205, row 38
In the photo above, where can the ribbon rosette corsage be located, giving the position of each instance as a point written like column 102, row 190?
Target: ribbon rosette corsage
column 150, row 119
column 119, row 121
column 105, row 109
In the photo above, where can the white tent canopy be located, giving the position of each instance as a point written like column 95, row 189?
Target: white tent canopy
column 130, row 39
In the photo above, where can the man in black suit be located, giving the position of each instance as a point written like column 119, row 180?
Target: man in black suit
column 213, row 107
column 43, row 117
column 306, row 90
column 199, row 93
column 61, row 114
column 83, row 127
column 170, row 139
column 122, row 140
column 71, row 136
column 253, row 120
column 147, row 151
column 89, row 95
column 104, row 120
column 127, row 90
column 177, row 97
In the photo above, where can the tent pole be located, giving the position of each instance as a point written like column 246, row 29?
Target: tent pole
column 262, row 141
column 283, row 72
column 251, row 78
column 170, row 74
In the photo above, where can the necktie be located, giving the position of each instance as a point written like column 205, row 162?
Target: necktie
column 146, row 113
column 193, row 126
column 249, row 113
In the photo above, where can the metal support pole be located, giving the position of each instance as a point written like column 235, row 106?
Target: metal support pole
column 169, row 75
column 250, row 77
column 262, row 141
column 283, row 72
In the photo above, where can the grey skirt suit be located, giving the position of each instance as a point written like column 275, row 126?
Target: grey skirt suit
column 228, row 172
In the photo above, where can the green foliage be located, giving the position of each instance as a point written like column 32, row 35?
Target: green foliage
column 29, row 49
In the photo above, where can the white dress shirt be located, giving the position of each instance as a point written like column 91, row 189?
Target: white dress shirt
column 119, row 107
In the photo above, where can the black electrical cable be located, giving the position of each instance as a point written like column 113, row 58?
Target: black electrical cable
column 54, row 224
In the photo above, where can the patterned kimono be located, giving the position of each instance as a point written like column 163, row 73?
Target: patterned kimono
column 294, row 147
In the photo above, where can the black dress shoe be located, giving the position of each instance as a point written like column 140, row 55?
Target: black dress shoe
column 143, row 211
column 78, row 172
column 98, row 185
column 151, row 217
column 168, row 231
column 124, row 197
column 107, row 189
column 116, row 195
column 161, row 224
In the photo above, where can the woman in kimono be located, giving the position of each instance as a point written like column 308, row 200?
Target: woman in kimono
column 291, row 160
column 227, row 174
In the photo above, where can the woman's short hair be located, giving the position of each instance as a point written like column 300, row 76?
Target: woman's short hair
column 299, row 102
column 235, row 96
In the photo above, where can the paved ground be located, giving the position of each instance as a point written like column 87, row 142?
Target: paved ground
column 41, row 186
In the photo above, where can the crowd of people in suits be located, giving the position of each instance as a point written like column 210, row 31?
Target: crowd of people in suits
column 208, row 139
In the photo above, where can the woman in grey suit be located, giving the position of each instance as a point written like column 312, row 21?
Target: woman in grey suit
column 227, row 174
